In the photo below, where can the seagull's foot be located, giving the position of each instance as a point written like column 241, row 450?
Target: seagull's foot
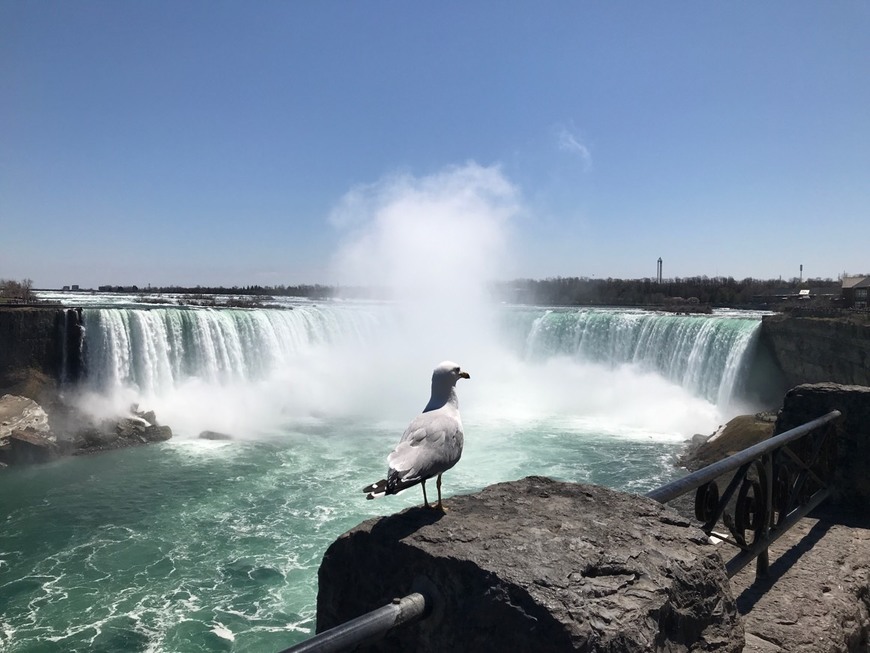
column 441, row 507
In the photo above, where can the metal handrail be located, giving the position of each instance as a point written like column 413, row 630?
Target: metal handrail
column 370, row 626
column 757, row 503
column 704, row 475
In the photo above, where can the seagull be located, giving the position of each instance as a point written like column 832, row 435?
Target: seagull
column 431, row 444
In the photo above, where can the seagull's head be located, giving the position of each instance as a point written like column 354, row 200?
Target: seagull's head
column 448, row 373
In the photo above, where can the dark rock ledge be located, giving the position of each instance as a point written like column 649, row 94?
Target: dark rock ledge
column 29, row 434
column 537, row 565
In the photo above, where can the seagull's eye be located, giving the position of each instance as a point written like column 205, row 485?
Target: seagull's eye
column 456, row 370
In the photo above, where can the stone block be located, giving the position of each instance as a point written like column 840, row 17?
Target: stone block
column 537, row 565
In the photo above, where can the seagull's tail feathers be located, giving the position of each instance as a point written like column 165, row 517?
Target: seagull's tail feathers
column 391, row 485
column 376, row 490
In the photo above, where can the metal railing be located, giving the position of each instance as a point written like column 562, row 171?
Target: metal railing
column 367, row 628
column 780, row 481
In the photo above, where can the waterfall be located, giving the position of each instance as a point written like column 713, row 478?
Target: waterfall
column 706, row 355
column 155, row 349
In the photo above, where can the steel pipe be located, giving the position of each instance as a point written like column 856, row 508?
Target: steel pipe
column 370, row 626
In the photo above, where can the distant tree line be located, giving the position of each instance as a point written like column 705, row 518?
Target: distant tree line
column 715, row 291
column 561, row 291
column 16, row 292
column 315, row 291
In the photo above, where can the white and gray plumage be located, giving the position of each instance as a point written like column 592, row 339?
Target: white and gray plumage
column 431, row 444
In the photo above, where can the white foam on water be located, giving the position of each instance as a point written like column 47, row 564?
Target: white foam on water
column 223, row 632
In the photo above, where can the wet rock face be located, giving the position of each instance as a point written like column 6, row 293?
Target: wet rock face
column 738, row 434
column 814, row 350
column 27, row 447
column 29, row 339
column 537, row 565
column 119, row 433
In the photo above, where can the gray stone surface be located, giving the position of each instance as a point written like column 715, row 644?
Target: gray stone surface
column 816, row 598
column 118, row 433
column 812, row 350
column 537, row 565
column 20, row 413
column 214, row 435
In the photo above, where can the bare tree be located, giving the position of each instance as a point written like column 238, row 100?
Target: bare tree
column 12, row 291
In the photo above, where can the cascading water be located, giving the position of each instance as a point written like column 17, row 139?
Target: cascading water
column 200, row 545
column 250, row 370
column 153, row 350
column 705, row 355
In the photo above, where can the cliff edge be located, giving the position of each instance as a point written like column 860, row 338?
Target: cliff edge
column 815, row 349
column 537, row 565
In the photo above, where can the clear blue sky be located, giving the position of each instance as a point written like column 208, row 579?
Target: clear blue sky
column 216, row 142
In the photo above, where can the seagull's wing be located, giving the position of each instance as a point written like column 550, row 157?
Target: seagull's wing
column 431, row 444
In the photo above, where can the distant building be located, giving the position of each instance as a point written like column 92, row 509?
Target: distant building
column 65, row 288
column 75, row 286
column 855, row 291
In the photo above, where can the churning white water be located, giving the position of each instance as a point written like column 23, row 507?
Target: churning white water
column 248, row 371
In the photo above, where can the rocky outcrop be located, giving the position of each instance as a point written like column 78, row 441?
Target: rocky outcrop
column 215, row 435
column 537, row 565
column 29, row 339
column 119, row 433
column 739, row 433
column 20, row 413
column 26, row 436
column 814, row 350
column 27, row 447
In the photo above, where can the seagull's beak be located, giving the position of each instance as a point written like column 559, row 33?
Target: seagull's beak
column 464, row 375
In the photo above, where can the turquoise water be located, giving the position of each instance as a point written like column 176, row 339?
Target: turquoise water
column 194, row 545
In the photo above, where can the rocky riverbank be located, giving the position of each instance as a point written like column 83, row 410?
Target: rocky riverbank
column 29, row 435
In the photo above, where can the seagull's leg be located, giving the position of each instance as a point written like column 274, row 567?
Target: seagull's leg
column 425, row 500
column 438, row 485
